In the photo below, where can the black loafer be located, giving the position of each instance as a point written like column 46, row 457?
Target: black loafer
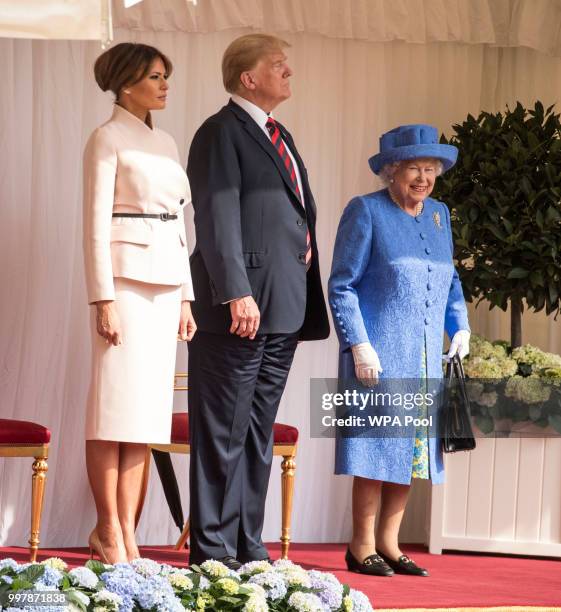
column 373, row 565
column 404, row 565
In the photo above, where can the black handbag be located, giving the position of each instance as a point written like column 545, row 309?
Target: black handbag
column 457, row 433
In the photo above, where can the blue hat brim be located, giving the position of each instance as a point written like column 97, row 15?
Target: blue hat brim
column 447, row 154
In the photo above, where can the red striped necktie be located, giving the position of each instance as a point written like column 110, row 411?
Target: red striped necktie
column 279, row 145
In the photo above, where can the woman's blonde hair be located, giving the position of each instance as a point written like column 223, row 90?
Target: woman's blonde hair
column 243, row 54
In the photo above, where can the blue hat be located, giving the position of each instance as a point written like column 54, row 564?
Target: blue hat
column 412, row 142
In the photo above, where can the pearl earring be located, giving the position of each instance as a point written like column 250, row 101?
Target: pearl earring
column 127, row 91
column 392, row 181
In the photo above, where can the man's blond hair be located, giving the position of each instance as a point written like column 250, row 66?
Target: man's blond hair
column 243, row 54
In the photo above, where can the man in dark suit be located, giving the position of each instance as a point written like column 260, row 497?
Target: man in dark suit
column 258, row 292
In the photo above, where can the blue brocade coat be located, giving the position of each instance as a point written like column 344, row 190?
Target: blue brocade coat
column 393, row 284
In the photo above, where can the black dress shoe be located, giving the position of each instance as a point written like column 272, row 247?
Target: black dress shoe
column 373, row 565
column 230, row 562
column 405, row 565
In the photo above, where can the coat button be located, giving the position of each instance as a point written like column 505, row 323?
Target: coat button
column 182, row 201
column 430, row 268
column 423, row 235
column 427, row 250
column 300, row 222
column 428, row 303
column 338, row 315
column 418, row 219
column 302, row 257
column 429, row 286
column 427, row 321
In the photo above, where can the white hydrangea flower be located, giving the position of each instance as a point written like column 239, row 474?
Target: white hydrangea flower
column 216, row 569
column 228, row 585
column 146, row 567
column 255, row 603
column 82, row 597
column 180, row 581
column 56, row 563
column 256, row 589
column 297, row 577
column 83, row 577
column 305, row 602
column 255, row 567
column 112, row 600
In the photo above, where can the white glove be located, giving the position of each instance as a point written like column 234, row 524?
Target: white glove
column 367, row 364
column 459, row 344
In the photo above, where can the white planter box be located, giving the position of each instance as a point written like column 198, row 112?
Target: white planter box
column 503, row 497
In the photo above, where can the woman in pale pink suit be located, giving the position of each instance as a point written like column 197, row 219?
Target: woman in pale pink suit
column 138, row 279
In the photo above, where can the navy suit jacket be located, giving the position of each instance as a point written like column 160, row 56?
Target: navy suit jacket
column 251, row 230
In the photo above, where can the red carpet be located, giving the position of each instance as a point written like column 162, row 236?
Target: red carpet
column 457, row 580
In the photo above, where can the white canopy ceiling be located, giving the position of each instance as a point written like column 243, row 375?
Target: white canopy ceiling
column 505, row 23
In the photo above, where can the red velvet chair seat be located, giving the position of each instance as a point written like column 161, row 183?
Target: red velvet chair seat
column 15, row 433
column 283, row 434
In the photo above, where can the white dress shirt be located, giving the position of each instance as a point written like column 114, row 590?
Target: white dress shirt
column 260, row 117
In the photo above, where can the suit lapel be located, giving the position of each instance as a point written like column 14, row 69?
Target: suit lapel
column 259, row 136
column 308, row 197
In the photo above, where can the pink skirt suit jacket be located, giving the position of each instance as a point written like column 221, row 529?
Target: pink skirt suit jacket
column 143, row 265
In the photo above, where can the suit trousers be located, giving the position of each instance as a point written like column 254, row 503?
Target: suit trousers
column 235, row 386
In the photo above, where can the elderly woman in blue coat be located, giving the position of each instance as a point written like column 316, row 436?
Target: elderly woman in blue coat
column 393, row 291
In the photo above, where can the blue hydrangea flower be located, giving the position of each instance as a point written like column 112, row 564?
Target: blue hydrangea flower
column 51, row 578
column 83, row 577
column 125, row 582
column 330, row 589
column 272, row 582
column 9, row 562
column 156, row 592
column 360, row 602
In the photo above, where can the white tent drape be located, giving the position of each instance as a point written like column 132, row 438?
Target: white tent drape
column 504, row 23
column 346, row 93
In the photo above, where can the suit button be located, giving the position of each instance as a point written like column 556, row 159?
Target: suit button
column 182, row 201
column 427, row 250
column 302, row 257
column 300, row 222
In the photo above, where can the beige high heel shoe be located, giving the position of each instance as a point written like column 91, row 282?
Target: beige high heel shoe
column 95, row 546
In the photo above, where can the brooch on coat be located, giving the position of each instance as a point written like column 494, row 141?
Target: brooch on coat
column 436, row 219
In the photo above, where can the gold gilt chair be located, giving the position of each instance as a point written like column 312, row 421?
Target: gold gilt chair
column 27, row 439
column 285, row 441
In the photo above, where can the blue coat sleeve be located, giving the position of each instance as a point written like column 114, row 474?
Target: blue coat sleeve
column 456, row 312
column 351, row 256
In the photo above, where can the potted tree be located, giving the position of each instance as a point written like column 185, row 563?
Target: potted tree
column 505, row 198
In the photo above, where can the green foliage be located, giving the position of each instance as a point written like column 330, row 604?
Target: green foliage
column 505, row 198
